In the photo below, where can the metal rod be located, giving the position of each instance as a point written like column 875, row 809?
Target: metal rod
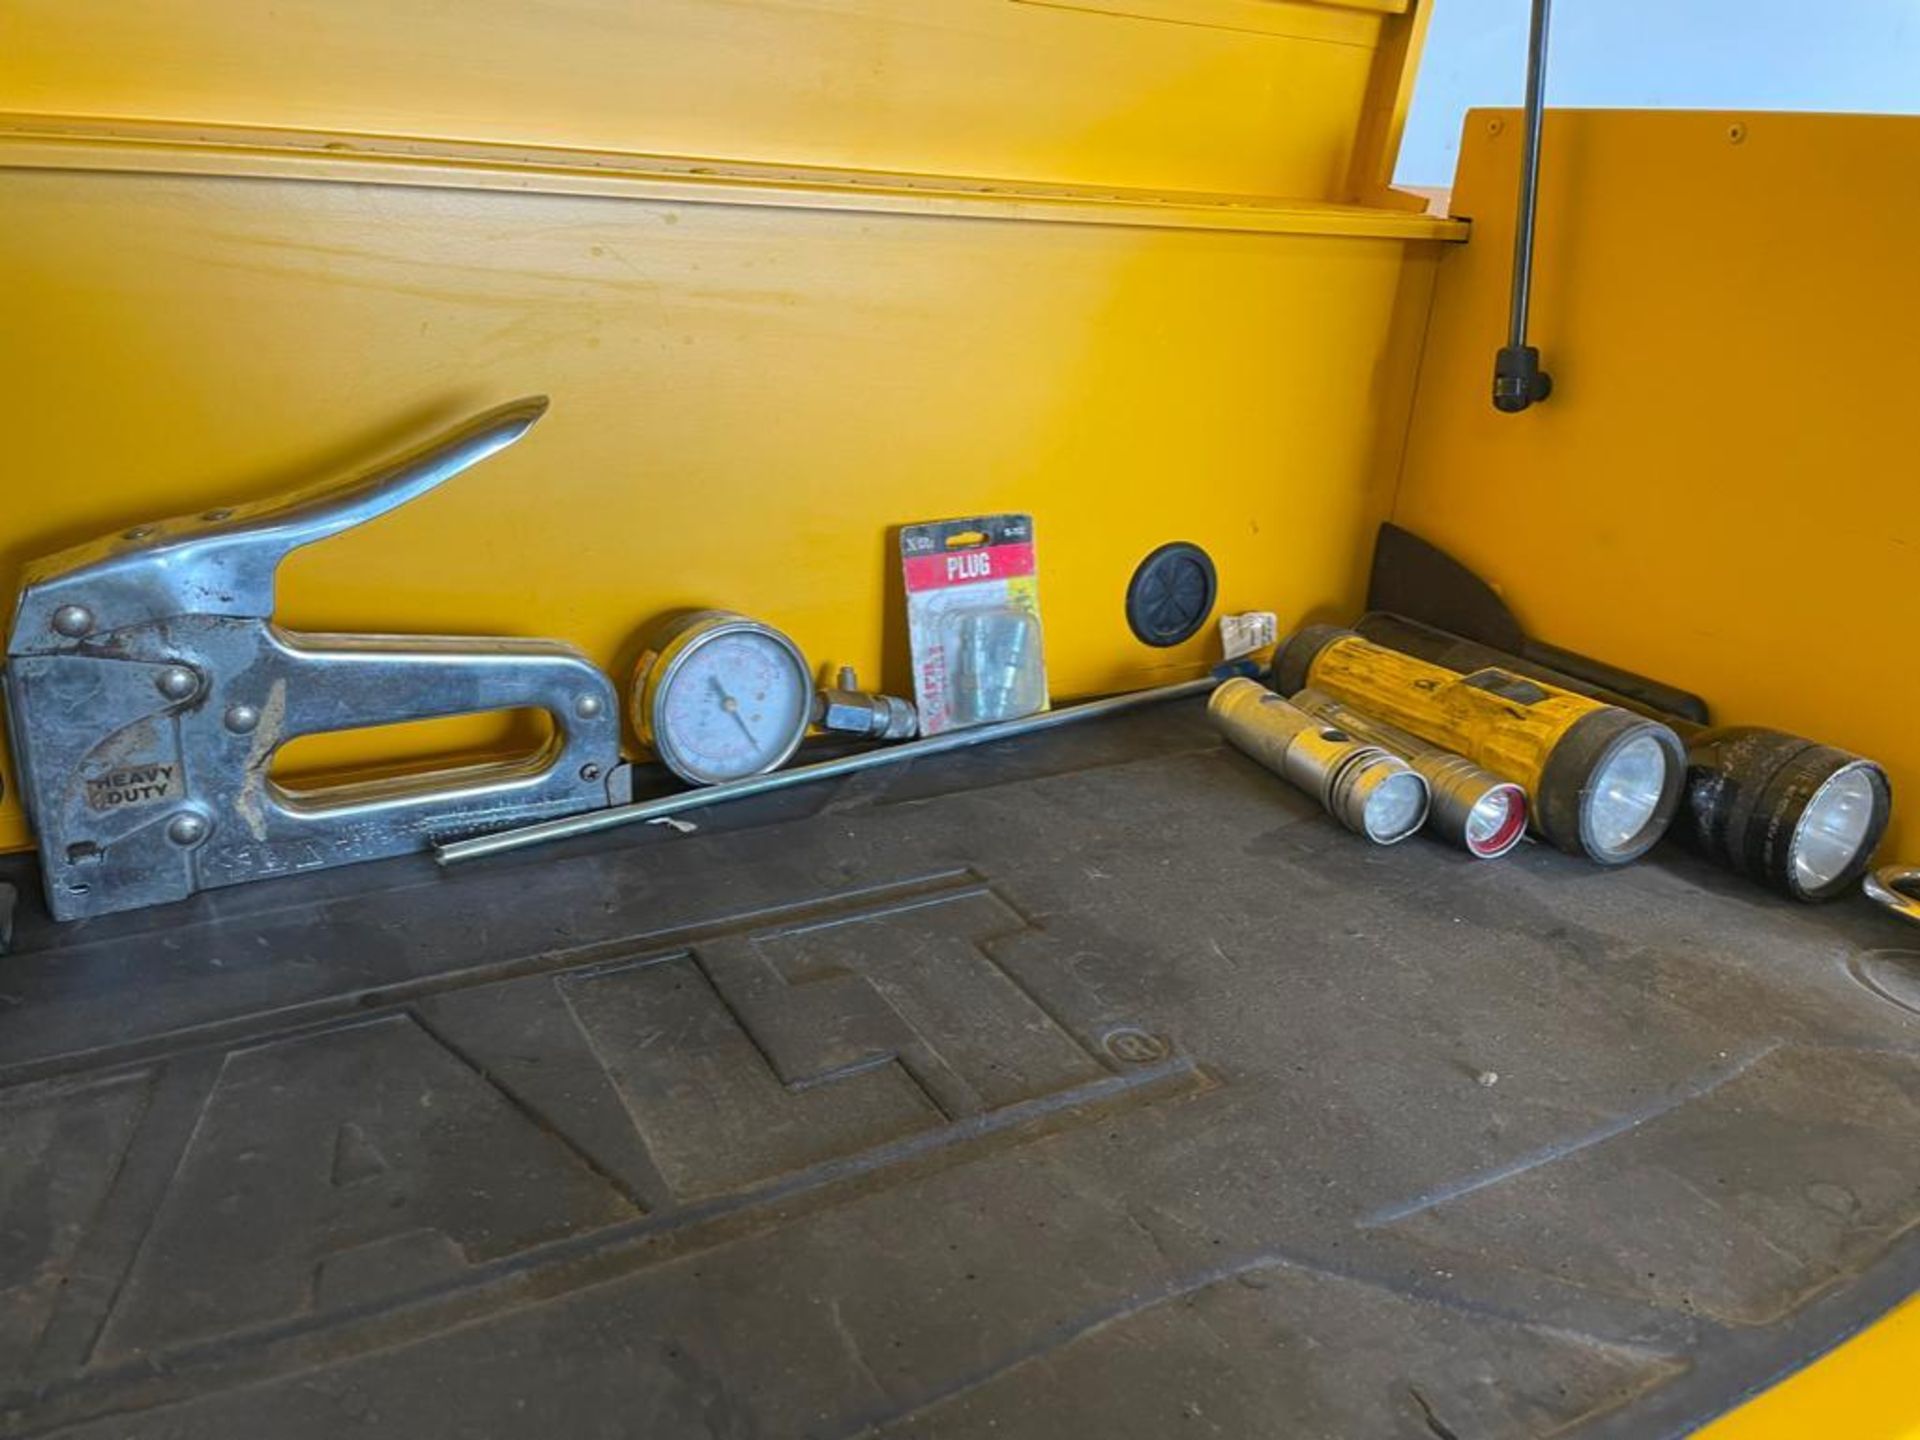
column 1529, row 175
column 594, row 821
column 1518, row 380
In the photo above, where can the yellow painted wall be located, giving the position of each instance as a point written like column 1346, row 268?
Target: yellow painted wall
column 756, row 370
column 1716, row 494
column 1236, row 95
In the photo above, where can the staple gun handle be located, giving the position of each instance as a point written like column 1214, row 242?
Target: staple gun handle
column 223, row 561
column 277, row 526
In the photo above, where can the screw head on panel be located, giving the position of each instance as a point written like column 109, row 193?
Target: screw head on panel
column 73, row 621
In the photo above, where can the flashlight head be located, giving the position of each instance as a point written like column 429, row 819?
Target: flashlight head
column 1799, row 817
column 1611, row 786
column 1496, row 822
column 1381, row 797
column 1472, row 808
column 1367, row 788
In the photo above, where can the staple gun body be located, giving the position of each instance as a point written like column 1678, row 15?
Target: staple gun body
column 148, row 690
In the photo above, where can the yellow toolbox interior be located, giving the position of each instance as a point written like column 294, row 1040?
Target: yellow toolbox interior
column 794, row 271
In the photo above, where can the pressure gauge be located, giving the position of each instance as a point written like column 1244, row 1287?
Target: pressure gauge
column 720, row 697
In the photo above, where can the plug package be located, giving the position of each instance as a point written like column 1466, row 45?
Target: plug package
column 973, row 620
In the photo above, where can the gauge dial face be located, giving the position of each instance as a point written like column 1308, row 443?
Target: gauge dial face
column 732, row 704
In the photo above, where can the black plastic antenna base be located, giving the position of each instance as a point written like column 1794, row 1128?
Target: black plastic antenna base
column 1518, row 380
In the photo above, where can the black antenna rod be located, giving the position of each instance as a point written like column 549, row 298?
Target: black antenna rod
column 1518, row 380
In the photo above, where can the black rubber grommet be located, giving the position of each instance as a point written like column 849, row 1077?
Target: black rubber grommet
column 1171, row 594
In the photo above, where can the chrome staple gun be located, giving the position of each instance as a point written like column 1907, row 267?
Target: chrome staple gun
column 148, row 689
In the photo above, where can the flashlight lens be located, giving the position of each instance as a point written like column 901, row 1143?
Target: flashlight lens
column 1832, row 828
column 1626, row 792
column 1488, row 818
column 1496, row 821
column 1396, row 807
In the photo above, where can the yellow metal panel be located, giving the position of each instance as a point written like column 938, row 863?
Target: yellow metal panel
column 1306, row 19
column 1383, row 120
column 50, row 143
column 745, row 399
column 1716, row 494
column 1862, row 1391
column 963, row 87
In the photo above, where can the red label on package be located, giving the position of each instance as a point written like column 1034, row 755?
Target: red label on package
column 969, row 567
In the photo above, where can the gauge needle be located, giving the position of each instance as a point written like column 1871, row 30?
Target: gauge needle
column 732, row 707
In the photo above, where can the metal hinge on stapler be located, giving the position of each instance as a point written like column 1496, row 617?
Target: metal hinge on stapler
column 148, row 689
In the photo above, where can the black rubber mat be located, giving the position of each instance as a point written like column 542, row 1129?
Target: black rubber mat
column 1091, row 1085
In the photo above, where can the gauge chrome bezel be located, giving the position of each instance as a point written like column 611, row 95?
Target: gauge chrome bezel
column 657, row 668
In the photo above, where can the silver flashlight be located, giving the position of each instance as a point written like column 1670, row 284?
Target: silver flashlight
column 1368, row 789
